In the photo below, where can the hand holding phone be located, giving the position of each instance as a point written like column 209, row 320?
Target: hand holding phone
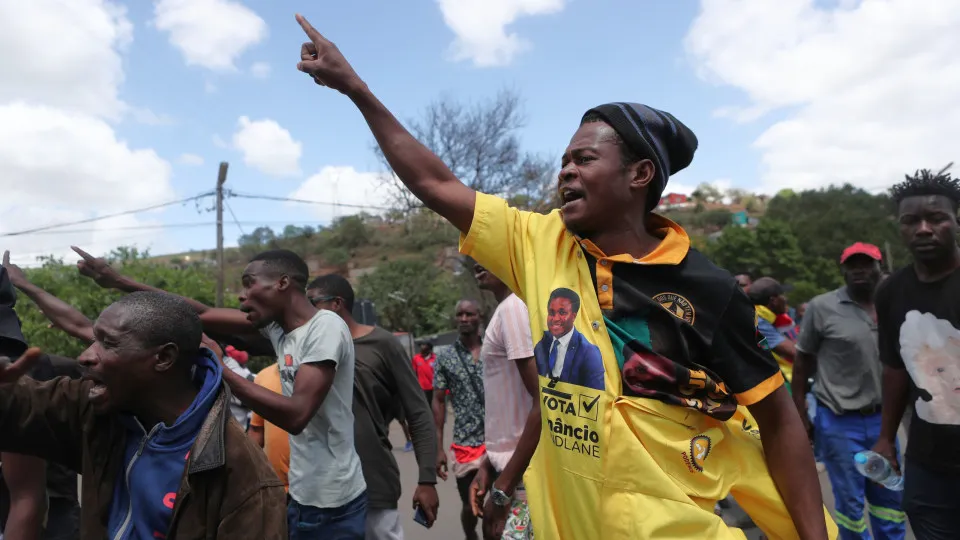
column 421, row 517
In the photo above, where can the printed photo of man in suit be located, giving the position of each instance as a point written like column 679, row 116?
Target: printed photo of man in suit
column 564, row 353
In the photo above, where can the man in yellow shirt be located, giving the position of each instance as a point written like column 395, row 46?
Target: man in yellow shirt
column 668, row 434
column 274, row 441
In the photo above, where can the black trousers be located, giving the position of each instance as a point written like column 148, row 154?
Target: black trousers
column 931, row 502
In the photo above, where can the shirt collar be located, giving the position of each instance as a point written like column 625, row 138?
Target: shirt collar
column 565, row 339
column 672, row 249
column 843, row 295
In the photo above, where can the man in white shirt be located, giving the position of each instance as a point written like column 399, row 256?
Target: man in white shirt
column 512, row 423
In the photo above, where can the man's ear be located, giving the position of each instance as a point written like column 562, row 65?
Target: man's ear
column 167, row 357
column 643, row 173
column 283, row 283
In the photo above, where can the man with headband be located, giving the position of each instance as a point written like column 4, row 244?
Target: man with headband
column 668, row 433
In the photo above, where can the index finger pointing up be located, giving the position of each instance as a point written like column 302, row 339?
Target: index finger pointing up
column 308, row 28
column 86, row 256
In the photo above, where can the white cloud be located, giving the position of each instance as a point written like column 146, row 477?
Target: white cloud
column 190, row 159
column 60, row 158
column 150, row 118
column 268, row 147
column 92, row 173
column 867, row 90
column 343, row 185
column 260, row 70
column 90, row 167
column 64, row 54
column 210, row 33
column 481, row 27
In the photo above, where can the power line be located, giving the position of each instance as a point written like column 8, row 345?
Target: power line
column 107, row 216
column 307, row 201
column 234, row 216
column 186, row 225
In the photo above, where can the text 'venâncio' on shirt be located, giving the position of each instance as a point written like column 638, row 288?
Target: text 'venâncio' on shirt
column 644, row 408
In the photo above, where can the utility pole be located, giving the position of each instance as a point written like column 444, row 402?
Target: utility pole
column 221, row 178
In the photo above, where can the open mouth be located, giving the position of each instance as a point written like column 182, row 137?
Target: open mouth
column 568, row 196
column 98, row 392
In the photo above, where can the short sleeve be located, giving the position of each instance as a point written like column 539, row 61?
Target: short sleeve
column 743, row 363
column 440, row 374
column 811, row 330
column 500, row 237
column 515, row 329
column 328, row 340
column 770, row 333
column 256, row 420
column 888, row 333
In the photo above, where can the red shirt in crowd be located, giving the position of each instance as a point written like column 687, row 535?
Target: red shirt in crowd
column 423, row 367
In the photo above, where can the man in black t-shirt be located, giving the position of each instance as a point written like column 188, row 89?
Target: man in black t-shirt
column 918, row 316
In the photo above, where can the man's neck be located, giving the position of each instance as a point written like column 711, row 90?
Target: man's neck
column 864, row 297
column 357, row 330
column 470, row 341
column 935, row 270
column 166, row 403
column 298, row 313
column 633, row 239
column 501, row 293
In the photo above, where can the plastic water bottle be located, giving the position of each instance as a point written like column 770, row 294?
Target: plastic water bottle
column 877, row 468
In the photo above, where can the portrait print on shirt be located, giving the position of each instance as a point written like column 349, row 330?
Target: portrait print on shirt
column 930, row 348
column 564, row 354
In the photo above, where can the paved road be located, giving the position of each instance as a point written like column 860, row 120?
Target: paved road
column 448, row 527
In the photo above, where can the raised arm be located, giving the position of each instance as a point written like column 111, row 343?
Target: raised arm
column 421, row 170
column 217, row 320
column 61, row 314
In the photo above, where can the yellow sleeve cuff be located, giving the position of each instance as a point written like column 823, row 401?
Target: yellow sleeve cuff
column 760, row 391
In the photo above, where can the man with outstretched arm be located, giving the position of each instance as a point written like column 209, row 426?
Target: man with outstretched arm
column 316, row 359
column 148, row 428
column 670, row 432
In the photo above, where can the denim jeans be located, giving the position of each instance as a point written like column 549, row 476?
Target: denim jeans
column 347, row 522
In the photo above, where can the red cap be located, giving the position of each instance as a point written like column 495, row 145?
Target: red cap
column 860, row 248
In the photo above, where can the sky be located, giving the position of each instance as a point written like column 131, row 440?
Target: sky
column 109, row 107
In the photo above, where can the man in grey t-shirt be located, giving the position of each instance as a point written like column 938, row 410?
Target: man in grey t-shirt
column 316, row 358
column 838, row 347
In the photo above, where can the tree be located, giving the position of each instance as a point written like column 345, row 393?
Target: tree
column 478, row 142
column 707, row 193
column 535, row 188
column 350, row 232
column 260, row 237
column 769, row 250
column 411, row 296
column 827, row 220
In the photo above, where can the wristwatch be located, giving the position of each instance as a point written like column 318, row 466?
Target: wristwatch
column 499, row 497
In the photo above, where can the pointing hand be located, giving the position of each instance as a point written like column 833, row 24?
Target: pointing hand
column 323, row 61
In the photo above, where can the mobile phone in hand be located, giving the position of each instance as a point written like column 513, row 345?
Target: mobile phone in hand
column 421, row 517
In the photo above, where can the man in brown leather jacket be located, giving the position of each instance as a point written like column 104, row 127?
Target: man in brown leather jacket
column 149, row 429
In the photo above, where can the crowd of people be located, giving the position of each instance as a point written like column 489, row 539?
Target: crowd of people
column 623, row 386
